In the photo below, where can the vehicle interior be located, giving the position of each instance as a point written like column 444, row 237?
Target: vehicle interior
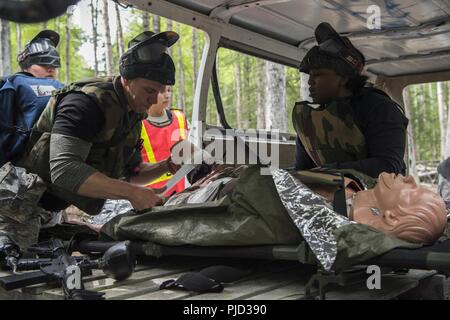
column 411, row 44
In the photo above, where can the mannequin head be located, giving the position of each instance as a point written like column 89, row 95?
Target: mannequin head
column 397, row 206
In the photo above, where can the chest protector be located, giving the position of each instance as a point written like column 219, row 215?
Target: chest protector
column 114, row 147
column 329, row 133
column 157, row 142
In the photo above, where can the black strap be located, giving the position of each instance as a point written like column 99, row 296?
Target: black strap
column 339, row 201
column 210, row 279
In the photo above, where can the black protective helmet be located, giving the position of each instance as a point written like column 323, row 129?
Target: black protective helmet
column 147, row 57
column 333, row 52
column 41, row 50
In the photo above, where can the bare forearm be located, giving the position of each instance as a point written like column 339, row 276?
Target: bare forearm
column 99, row 185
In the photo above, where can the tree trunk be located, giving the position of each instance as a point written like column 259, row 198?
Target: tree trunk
column 304, row 87
column 67, row 57
column 422, row 120
column 169, row 28
column 194, row 55
column 261, row 96
column 6, row 48
column 411, row 141
column 145, row 21
column 442, row 123
column 109, row 62
column 246, row 88
column 414, row 123
column 276, row 115
column 18, row 37
column 119, row 31
column 447, row 136
column 181, row 92
column 432, row 123
column 156, row 24
column 94, row 21
column 238, row 105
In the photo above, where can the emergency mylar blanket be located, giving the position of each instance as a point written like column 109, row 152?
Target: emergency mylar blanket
column 312, row 215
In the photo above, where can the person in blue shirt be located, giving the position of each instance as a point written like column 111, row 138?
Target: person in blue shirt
column 40, row 58
column 24, row 95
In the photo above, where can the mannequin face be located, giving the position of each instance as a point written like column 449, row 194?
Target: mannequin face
column 374, row 207
column 396, row 203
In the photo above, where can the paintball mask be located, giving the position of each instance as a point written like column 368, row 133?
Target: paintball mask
column 41, row 51
column 147, row 57
column 334, row 52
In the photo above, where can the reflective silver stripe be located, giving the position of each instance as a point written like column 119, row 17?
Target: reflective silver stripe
column 312, row 215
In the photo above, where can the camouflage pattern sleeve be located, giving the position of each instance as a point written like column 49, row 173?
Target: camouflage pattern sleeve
column 19, row 195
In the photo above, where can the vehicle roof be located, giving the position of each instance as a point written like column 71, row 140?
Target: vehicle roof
column 414, row 37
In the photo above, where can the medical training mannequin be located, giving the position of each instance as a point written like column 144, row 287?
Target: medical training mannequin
column 399, row 207
column 396, row 205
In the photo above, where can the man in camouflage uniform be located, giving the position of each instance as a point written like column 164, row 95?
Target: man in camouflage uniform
column 86, row 144
column 354, row 126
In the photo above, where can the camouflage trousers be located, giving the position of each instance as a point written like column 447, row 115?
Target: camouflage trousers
column 20, row 216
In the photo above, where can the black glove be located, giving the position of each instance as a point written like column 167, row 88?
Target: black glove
column 202, row 170
column 9, row 251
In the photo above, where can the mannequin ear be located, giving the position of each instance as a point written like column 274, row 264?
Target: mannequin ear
column 390, row 218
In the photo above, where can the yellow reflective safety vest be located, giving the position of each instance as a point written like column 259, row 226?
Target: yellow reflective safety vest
column 157, row 142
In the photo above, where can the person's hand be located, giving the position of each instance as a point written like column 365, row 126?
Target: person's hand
column 171, row 166
column 144, row 198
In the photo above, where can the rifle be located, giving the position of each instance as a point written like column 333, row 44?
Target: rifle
column 57, row 265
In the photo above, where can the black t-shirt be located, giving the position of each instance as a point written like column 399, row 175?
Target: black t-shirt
column 78, row 116
column 384, row 128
